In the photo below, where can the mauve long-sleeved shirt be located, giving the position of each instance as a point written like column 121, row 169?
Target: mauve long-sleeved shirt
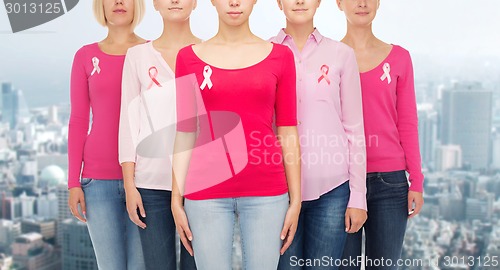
column 390, row 117
column 96, row 79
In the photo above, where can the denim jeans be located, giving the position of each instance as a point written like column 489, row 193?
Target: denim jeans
column 321, row 235
column 387, row 198
column 158, row 239
column 261, row 221
column 115, row 238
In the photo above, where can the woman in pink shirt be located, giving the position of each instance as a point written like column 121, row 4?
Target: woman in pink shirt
column 390, row 119
column 98, row 189
column 147, row 133
column 332, row 140
column 237, row 168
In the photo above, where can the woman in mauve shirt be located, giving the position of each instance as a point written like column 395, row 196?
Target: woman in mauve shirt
column 332, row 141
column 147, row 133
column 390, row 120
column 239, row 168
column 96, row 79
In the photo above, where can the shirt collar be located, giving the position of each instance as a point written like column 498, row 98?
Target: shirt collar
column 282, row 36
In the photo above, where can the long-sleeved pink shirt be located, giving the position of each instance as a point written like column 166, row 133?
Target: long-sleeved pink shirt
column 95, row 85
column 390, row 114
column 148, row 117
column 330, row 117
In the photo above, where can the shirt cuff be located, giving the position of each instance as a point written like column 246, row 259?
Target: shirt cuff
column 73, row 183
column 357, row 200
column 417, row 184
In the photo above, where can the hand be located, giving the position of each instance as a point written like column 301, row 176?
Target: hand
column 290, row 226
column 354, row 219
column 182, row 226
column 77, row 197
column 134, row 202
column 415, row 203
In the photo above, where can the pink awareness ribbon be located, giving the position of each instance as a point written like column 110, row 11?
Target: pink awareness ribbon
column 324, row 73
column 153, row 72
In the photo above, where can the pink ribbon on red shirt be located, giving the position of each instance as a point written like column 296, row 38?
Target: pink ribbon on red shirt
column 153, row 72
column 324, row 73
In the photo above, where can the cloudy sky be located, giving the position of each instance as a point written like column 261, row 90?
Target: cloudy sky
column 38, row 60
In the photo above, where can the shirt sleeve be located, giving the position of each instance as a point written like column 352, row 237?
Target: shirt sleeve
column 186, row 95
column 128, row 132
column 79, row 118
column 352, row 121
column 407, row 124
column 286, row 92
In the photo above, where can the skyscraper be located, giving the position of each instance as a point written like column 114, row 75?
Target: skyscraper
column 9, row 104
column 77, row 250
column 14, row 108
column 466, row 121
column 427, row 133
column 63, row 210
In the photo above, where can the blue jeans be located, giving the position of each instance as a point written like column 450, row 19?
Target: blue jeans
column 321, row 232
column 387, row 198
column 261, row 221
column 158, row 239
column 115, row 238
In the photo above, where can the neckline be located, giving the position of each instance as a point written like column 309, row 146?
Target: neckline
column 235, row 69
column 381, row 63
column 161, row 59
column 107, row 54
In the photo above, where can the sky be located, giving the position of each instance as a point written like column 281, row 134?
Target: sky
column 438, row 33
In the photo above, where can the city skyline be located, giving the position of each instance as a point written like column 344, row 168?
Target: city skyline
column 447, row 39
column 453, row 61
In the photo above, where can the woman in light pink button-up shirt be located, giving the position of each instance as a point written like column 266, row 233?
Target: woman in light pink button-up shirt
column 330, row 116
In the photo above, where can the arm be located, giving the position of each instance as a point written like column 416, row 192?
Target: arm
column 352, row 120
column 128, row 134
column 184, row 142
column 286, row 122
column 289, row 140
column 77, row 134
column 407, row 125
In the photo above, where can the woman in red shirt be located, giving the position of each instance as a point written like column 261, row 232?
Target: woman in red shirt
column 245, row 81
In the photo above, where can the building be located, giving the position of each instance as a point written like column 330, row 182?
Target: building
column 9, row 231
column 479, row 208
column 45, row 227
column 427, row 132
column 11, row 208
column 77, row 250
column 27, row 205
column 5, row 262
column 466, row 121
column 50, row 177
column 31, row 253
column 63, row 210
column 448, row 157
column 495, row 157
column 47, row 206
column 14, row 108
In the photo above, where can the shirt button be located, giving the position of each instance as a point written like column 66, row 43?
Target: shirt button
column 300, row 79
column 300, row 122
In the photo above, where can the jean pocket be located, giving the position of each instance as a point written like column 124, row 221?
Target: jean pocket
column 394, row 179
column 85, row 182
